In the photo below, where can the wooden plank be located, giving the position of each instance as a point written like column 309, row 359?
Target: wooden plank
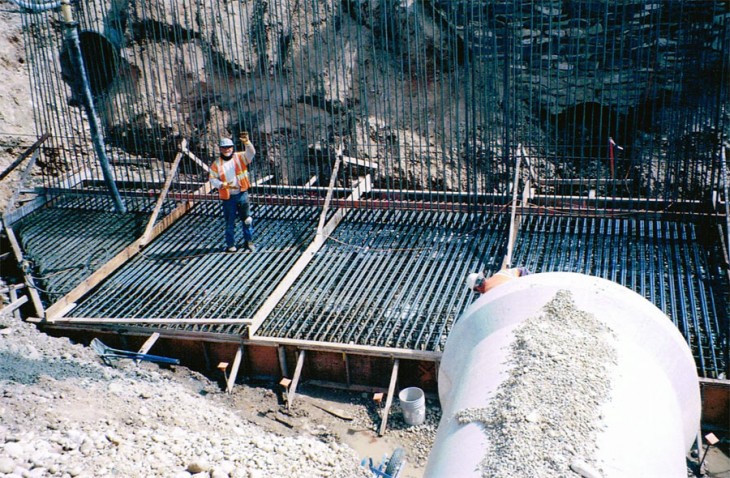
column 273, row 299
column 234, row 369
column 360, row 162
column 32, row 150
column 35, row 297
column 161, row 199
column 389, row 400
column 195, row 159
column 291, row 393
column 13, row 306
column 352, row 349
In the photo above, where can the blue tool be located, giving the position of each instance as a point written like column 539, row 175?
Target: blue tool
column 389, row 467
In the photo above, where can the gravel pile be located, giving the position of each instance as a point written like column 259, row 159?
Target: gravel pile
column 544, row 418
column 65, row 414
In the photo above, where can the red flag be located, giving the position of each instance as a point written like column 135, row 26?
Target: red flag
column 612, row 144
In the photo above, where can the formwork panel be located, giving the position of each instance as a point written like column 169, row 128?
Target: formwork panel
column 389, row 278
column 664, row 261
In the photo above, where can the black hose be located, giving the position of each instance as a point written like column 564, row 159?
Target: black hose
column 72, row 37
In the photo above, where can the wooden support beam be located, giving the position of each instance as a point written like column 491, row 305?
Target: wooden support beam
column 12, row 307
column 147, row 345
column 291, row 393
column 23, row 178
column 195, row 159
column 13, row 298
column 32, row 150
column 35, row 297
column 273, row 299
column 145, row 239
column 389, row 399
column 360, row 162
column 231, row 381
column 328, row 199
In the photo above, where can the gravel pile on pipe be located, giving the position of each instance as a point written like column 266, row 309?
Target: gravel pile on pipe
column 545, row 417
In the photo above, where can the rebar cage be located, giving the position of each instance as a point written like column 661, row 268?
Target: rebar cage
column 565, row 108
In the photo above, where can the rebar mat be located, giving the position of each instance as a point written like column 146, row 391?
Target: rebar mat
column 390, row 278
column 186, row 273
column 67, row 242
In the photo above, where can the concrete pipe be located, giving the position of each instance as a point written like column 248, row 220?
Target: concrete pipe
column 608, row 387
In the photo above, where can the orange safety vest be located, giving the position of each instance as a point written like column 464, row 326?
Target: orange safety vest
column 241, row 168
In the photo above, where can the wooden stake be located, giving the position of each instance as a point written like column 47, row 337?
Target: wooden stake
column 147, row 345
column 35, row 297
column 295, row 380
column 389, row 400
column 234, row 370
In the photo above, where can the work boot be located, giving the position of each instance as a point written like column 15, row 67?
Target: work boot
column 232, row 249
column 251, row 246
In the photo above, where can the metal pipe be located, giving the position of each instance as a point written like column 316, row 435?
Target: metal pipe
column 72, row 37
column 653, row 382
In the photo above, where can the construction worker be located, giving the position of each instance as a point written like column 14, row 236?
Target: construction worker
column 478, row 283
column 229, row 174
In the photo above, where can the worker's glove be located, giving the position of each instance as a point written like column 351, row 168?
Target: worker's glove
column 244, row 137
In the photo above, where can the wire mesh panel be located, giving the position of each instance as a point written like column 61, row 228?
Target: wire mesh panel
column 433, row 96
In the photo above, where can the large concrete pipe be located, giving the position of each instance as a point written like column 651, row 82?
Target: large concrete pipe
column 563, row 374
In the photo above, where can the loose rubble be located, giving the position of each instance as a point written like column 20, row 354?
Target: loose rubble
column 65, row 414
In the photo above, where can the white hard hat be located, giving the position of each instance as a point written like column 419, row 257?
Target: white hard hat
column 471, row 279
column 225, row 143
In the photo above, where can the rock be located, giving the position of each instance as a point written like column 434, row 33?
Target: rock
column 7, row 465
column 198, row 466
column 584, row 469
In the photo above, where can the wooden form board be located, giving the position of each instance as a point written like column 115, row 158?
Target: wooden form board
column 35, row 297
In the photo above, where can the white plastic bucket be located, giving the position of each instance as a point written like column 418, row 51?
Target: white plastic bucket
column 413, row 404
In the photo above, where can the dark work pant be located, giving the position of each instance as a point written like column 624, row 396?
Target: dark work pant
column 237, row 206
